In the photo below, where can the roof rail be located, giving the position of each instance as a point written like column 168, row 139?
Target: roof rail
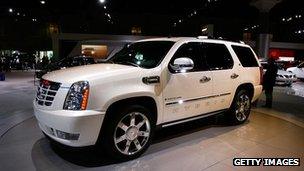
column 221, row 38
column 202, row 37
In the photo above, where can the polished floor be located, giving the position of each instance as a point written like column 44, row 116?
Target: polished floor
column 202, row 145
column 208, row 144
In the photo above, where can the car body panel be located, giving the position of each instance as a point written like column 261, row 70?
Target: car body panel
column 110, row 83
column 299, row 72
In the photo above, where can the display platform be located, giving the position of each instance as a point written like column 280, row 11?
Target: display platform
column 201, row 145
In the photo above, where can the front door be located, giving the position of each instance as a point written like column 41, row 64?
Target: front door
column 186, row 93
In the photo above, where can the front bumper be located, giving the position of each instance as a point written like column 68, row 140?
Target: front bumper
column 85, row 124
column 285, row 81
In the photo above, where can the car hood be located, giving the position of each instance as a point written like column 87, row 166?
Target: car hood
column 89, row 72
column 282, row 72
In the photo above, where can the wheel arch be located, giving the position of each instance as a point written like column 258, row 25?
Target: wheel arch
column 146, row 101
column 246, row 86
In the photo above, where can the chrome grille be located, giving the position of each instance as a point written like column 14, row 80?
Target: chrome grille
column 46, row 92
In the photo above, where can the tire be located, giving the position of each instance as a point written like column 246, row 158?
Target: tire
column 240, row 108
column 128, row 132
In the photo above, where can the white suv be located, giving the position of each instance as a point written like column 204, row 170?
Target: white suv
column 150, row 83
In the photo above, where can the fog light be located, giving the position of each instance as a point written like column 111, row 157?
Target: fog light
column 67, row 136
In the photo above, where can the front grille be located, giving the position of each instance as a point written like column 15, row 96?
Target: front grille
column 46, row 92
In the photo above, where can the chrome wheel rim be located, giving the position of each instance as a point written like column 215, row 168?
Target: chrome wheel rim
column 243, row 107
column 132, row 133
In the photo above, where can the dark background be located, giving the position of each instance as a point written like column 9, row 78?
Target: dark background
column 28, row 26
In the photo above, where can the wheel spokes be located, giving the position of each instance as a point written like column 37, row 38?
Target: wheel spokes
column 143, row 134
column 123, row 126
column 135, row 133
column 128, row 143
column 137, row 144
column 120, row 139
column 140, row 124
column 132, row 120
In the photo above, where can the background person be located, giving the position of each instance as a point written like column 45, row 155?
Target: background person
column 269, row 81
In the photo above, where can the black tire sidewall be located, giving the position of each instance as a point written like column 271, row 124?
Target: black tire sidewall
column 114, row 118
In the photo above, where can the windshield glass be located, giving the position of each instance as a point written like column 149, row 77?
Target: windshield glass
column 143, row 54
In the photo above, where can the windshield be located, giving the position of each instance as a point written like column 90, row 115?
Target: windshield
column 143, row 54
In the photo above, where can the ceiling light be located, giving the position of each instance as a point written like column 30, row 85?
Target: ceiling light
column 42, row 2
column 10, row 10
column 102, row 1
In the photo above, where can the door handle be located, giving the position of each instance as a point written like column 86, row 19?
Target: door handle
column 234, row 76
column 205, row 79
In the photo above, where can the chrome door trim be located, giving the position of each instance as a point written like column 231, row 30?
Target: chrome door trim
column 195, row 99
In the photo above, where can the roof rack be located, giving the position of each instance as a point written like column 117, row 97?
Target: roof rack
column 203, row 37
column 221, row 38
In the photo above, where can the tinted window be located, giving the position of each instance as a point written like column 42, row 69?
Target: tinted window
column 245, row 56
column 193, row 51
column 143, row 54
column 217, row 56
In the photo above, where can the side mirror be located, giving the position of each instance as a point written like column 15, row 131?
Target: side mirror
column 182, row 64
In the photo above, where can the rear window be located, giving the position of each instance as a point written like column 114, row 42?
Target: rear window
column 217, row 56
column 245, row 56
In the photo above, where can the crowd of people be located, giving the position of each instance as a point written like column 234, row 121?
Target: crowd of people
column 21, row 62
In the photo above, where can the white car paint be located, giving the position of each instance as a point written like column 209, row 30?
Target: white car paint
column 298, row 71
column 285, row 77
column 110, row 83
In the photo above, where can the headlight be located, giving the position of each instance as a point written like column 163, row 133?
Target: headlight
column 77, row 98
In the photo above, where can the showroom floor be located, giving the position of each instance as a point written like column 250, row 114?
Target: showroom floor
column 207, row 144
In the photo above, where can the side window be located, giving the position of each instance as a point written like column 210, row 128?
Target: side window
column 245, row 56
column 217, row 56
column 191, row 50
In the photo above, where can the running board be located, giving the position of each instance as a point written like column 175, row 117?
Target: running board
column 191, row 118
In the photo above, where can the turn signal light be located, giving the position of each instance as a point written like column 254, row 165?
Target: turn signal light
column 85, row 96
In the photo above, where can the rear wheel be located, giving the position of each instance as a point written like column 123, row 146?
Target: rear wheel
column 240, row 108
column 128, row 133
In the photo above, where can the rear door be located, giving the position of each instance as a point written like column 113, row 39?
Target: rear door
column 225, row 76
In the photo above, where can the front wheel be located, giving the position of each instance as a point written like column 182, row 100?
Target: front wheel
column 129, row 132
column 240, row 108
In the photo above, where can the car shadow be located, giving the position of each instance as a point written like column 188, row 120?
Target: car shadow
column 44, row 152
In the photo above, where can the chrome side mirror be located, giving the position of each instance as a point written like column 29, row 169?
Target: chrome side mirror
column 182, row 64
